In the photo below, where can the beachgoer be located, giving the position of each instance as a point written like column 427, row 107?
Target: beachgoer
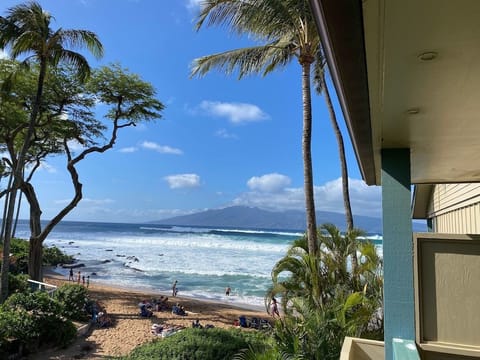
column 174, row 288
column 88, row 280
column 103, row 319
column 79, row 277
column 227, row 291
column 196, row 324
column 274, row 308
column 83, row 280
column 144, row 309
column 70, row 276
column 164, row 304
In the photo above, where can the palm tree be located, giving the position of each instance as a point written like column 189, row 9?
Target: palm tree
column 288, row 31
column 26, row 31
column 322, row 299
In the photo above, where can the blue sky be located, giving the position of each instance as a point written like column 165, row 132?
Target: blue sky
column 221, row 141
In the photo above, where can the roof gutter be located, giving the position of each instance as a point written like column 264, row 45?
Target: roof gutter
column 340, row 26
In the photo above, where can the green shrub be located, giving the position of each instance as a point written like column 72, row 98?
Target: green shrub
column 18, row 283
column 34, row 318
column 199, row 344
column 19, row 249
column 52, row 256
column 73, row 299
column 17, row 330
column 38, row 303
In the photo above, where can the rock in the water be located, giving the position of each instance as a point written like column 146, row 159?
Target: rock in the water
column 72, row 266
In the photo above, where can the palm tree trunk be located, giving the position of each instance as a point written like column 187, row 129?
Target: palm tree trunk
column 341, row 152
column 307, row 159
column 343, row 164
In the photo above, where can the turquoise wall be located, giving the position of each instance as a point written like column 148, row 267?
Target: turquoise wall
column 397, row 248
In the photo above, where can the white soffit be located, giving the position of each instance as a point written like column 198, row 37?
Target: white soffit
column 430, row 106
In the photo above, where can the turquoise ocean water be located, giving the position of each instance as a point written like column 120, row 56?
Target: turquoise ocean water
column 151, row 257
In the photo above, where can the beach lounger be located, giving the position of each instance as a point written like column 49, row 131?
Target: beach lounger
column 243, row 321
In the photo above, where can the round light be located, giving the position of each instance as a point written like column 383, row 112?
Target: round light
column 428, row 56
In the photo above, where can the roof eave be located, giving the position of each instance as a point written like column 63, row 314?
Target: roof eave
column 340, row 25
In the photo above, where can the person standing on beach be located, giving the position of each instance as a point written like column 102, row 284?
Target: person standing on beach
column 88, row 281
column 70, row 276
column 79, row 276
column 83, row 280
column 274, row 308
column 174, row 288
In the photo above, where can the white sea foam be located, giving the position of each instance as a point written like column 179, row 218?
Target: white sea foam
column 203, row 260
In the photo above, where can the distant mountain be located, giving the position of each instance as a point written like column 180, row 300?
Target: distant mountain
column 254, row 218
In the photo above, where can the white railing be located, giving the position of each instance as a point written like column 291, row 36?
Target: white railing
column 41, row 286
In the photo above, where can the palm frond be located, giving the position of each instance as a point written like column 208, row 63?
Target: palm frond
column 82, row 38
column 245, row 61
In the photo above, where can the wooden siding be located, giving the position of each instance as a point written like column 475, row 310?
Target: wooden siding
column 449, row 197
column 465, row 220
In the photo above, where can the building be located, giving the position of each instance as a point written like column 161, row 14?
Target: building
column 407, row 74
column 449, row 208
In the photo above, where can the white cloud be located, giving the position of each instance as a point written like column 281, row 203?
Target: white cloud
column 365, row 200
column 193, row 4
column 269, row 183
column 224, row 134
column 236, row 113
column 130, row 149
column 181, row 181
column 48, row 168
column 43, row 166
column 4, row 54
column 162, row 149
column 87, row 201
column 74, row 145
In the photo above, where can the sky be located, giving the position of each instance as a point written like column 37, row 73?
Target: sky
column 220, row 142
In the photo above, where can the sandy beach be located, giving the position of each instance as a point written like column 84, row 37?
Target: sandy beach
column 129, row 329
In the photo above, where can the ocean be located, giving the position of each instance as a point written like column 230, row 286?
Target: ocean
column 204, row 260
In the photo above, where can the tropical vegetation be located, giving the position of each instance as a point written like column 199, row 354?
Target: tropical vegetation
column 52, row 93
column 324, row 298
column 30, row 319
column 200, row 344
column 26, row 31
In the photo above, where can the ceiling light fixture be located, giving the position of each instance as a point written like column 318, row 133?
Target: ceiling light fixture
column 428, row 56
column 413, row 111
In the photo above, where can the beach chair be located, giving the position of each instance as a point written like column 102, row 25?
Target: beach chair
column 265, row 324
column 255, row 323
column 243, row 321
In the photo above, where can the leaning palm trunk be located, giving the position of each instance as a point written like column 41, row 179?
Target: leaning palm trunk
column 307, row 157
column 343, row 164
column 341, row 152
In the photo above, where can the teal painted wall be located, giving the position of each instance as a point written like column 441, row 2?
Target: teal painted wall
column 397, row 248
